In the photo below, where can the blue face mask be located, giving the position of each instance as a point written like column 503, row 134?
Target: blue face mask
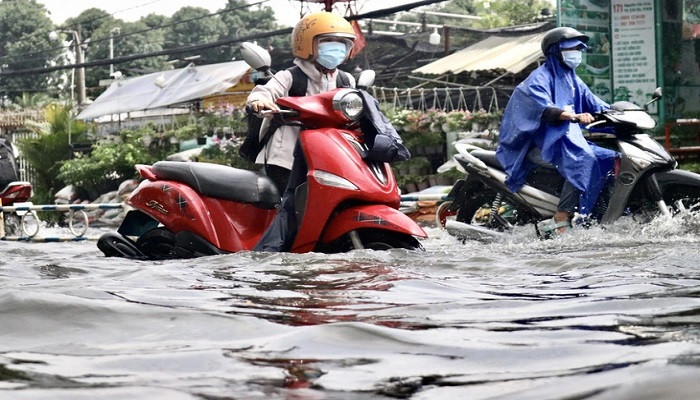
column 572, row 58
column 331, row 54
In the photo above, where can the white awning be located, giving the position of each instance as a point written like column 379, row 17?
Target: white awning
column 506, row 53
column 161, row 89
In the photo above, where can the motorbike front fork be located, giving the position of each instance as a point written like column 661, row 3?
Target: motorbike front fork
column 657, row 196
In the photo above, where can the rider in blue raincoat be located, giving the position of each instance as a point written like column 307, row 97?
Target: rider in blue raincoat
column 542, row 116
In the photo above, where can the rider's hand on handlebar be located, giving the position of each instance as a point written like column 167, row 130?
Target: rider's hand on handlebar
column 259, row 105
column 583, row 118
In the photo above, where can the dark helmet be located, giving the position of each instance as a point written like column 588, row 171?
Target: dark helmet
column 556, row 35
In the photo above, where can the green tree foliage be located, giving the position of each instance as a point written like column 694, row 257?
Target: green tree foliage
column 245, row 20
column 494, row 13
column 133, row 38
column 25, row 44
column 50, row 148
column 31, row 101
column 127, row 38
column 499, row 13
column 154, row 21
column 88, row 21
column 192, row 25
column 461, row 7
column 108, row 161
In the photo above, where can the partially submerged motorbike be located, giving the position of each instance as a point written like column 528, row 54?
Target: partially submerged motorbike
column 646, row 181
column 188, row 209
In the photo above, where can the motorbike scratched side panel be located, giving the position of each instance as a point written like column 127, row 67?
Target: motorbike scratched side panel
column 175, row 205
column 375, row 216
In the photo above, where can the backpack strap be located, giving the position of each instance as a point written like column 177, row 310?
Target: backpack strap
column 299, row 82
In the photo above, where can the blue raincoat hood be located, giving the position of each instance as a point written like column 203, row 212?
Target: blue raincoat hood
column 562, row 144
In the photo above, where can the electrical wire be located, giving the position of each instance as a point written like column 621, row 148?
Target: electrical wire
column 222, row 42
column 27, row 56
column 112, row 14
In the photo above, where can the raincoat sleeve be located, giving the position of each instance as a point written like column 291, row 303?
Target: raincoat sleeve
column 590, row 103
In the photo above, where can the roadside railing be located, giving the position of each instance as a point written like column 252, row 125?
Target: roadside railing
column 24, row 223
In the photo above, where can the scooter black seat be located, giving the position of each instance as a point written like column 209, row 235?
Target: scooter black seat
column 488, row 157
column 221, row 182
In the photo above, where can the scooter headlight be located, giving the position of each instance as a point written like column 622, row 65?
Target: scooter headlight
column 328, row 179
column 349, row 103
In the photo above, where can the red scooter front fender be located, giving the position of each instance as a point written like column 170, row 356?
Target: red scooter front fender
column 372, row 216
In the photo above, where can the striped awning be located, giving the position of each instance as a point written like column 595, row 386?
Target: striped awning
column 500, row 53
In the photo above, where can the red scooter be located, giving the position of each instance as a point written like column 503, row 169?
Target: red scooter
column 15, row 192
column 189, row 209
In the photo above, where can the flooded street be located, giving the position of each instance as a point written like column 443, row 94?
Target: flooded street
column 600, row 314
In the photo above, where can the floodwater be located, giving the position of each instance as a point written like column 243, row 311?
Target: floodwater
column 601, row 314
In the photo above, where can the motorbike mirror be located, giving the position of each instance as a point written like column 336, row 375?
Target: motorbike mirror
column 656, row 96
column 255, row 56
column 366, row 79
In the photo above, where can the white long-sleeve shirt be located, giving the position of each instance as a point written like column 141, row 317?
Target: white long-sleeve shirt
column 279, row 149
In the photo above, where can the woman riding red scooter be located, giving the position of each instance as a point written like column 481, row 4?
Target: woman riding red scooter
column 349, row 200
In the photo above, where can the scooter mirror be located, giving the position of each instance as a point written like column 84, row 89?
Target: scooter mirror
column 255, row 56
column 366, row 79
column 656, row 96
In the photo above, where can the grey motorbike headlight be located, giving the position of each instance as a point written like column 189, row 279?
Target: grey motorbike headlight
column 349, row 103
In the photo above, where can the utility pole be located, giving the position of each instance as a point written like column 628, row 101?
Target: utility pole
column 112, row 33
column 79, row 59
column 80, row 73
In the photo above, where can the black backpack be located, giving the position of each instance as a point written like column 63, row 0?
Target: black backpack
column 253, row 143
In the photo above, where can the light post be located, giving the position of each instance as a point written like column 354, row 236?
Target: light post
column 113, row 32
column 78, row 44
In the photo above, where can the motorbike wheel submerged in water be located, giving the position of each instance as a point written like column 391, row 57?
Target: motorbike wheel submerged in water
column 646, row 183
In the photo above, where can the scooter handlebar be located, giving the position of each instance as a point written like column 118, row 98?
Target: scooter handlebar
column 271, row 113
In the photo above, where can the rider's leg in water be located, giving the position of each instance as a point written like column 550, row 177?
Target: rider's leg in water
column 280, row 235
column 568, row 204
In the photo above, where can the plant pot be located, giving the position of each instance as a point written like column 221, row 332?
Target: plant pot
column 422, row 185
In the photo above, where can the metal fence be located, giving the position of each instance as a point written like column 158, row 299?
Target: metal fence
column 26, row 171
column 472, row 98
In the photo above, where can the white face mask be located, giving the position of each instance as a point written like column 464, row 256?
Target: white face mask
column 572, row 58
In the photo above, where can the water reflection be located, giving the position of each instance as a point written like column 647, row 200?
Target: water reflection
column 322, row 292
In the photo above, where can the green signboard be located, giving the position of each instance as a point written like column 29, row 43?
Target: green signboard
column 592, row 17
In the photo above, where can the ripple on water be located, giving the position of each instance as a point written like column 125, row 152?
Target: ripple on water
column 595, row 314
